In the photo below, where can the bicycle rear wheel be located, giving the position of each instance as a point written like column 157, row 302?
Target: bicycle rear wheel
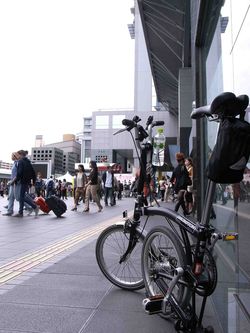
column 110, row 247
column 162, row 253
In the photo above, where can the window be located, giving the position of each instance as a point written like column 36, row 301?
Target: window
column 87, row 144
column 102, row 122
column 101, row 158
column 117, row 121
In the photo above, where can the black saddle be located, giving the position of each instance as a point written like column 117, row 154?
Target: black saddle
column 224, row 105
column 227, row 104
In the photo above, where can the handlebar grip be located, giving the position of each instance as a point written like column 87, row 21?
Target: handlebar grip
column 128, row 123
column 159, row 123
column 201, row 112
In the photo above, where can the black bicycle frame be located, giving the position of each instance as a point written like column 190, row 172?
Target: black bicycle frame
column 201, row 231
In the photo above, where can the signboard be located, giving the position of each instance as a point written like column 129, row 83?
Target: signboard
column 43, row 167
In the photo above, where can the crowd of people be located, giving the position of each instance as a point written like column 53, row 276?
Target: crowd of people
column 24, row 186
column 22, row 176
column 179, row 187
column 93, row 186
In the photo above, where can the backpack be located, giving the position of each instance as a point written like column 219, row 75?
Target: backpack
column 231, row 152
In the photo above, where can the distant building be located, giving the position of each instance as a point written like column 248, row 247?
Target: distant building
column 5, row 174
column 110, row 148
column 63, row 155
column 53, row 154
column 5, row 165
column 85, row 138
column 39, row 141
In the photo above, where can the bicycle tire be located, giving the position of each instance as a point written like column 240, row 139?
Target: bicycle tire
column 110, row 246
column 162, row 252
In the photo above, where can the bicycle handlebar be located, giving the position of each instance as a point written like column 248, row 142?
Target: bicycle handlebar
column 158, row 123
column 201, row 112
column 133, row 123
column 141, row 133
column 129, row 123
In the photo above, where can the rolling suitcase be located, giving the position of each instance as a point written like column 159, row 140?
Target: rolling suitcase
column 40, row 201
column 57, row 205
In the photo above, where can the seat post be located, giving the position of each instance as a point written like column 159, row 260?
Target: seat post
column 209, row 198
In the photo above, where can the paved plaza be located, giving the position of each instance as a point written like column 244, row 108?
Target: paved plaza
column 50, row 281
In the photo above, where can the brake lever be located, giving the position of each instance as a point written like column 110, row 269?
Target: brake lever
column 120, row 131
column 149, row 121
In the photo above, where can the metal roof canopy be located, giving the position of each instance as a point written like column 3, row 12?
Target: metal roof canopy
column 166, row 25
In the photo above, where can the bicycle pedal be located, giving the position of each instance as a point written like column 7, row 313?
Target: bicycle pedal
column 153, row 304
column 228, row 236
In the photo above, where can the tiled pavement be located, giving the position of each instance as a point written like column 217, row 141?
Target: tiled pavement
column 67, row 293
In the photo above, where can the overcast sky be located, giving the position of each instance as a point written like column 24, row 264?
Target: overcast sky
column 236, row 46
column 60, row 60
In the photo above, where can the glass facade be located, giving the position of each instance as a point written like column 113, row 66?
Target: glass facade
column 117, row 121
column 228, row 70
column 102, row 122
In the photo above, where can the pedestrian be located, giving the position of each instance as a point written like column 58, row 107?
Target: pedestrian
column 50, row 187
column 11, row 196
column 248, row 191
column 39, row 185
column 162, row 187
column 25, row 175
column 108, row 184
column 115, row 190
column 180, row 180
column 189, row 197
column 168, row 187
column 80, row 183
column 57, row 190
column 64, row 188
column 224, row 194
column 92, row 187
column 2, row 188
column 120, row 190
column 134, row 186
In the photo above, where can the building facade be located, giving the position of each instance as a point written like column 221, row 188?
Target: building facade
column 85, row 139
column 194, row 50
column 63, row 155
column 119, row 148
column 46, row 154
column 197, row 50
column 107, row 147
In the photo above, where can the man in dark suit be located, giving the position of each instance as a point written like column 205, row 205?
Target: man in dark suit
column 108, row 184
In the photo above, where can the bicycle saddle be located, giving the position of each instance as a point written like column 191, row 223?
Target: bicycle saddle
column 227, row 104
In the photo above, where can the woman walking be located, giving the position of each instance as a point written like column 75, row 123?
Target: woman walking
column 180, row 178
column 92, row 188
column 81, row 181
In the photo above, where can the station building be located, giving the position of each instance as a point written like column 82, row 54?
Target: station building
column 197, row 50
column 194, row 50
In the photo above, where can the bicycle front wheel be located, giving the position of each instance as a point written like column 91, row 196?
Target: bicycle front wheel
column 162, row 253
column 111, row 245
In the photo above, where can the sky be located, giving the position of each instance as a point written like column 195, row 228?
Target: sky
column 59, row 61
column 236, row 46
